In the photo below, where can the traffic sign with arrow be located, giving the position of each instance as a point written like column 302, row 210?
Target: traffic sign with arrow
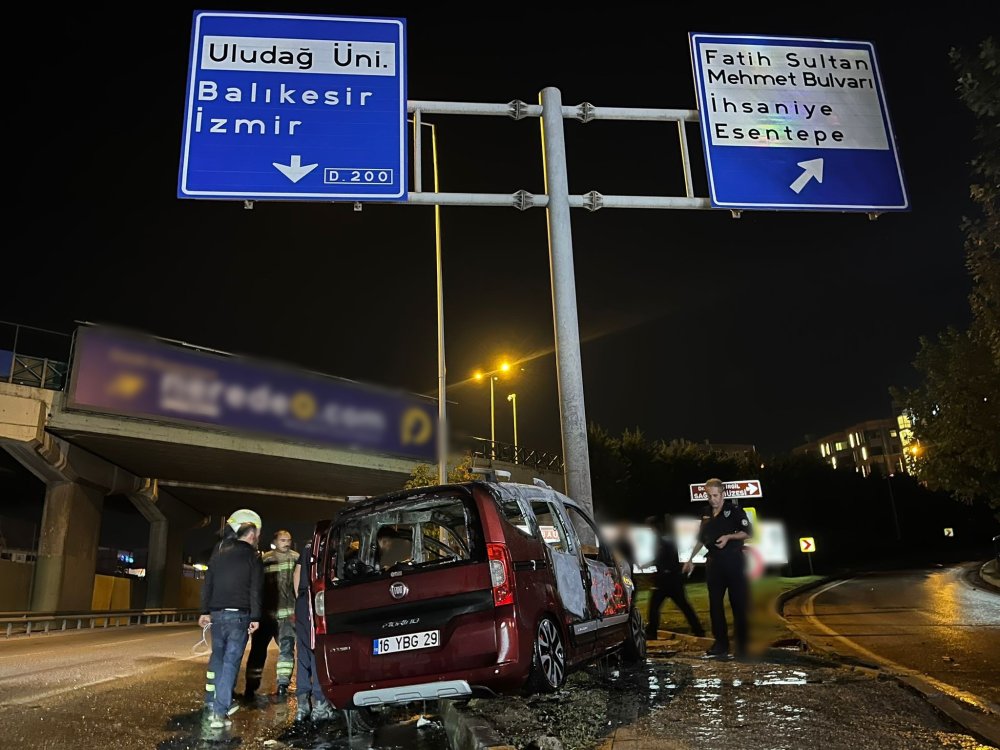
column 739, row 489
column 283, row 106
column 793, row 123
column 807, row 544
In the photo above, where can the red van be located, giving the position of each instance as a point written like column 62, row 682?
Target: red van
column 450, row 591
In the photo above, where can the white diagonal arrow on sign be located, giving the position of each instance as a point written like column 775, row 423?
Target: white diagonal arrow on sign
column 812, row 168
column 295, row 171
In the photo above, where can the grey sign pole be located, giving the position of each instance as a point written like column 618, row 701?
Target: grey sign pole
column 569, row 368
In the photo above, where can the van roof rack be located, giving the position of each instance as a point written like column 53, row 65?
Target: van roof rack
column 488, row 474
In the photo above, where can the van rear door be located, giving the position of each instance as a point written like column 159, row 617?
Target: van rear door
column 409, row 591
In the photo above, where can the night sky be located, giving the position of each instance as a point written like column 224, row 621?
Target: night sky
column 813, row 316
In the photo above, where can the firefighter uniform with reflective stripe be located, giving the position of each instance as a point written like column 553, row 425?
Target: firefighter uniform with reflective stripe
column 277, row 622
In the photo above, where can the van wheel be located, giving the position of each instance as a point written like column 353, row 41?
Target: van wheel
column 548, row 663
column 362, row 720
column 634, row 648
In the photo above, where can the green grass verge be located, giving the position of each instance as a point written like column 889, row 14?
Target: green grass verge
column 766, row 626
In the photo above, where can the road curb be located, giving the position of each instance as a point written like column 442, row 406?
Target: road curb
column 467, row 732
column 980, row 723
column 989, row 576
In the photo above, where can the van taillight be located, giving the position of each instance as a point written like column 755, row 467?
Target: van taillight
column 317, row 577
column 502, row 573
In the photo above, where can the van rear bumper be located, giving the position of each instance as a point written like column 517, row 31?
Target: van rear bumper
column 405, row 693
column 498, row 678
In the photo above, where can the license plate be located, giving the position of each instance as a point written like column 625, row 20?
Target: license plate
column 408, row 642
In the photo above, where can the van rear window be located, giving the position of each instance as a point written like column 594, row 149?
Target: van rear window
column 418, row 533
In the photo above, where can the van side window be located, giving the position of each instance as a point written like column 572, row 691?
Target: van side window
column 591, row 543
column 514, row 512
column 551, row 526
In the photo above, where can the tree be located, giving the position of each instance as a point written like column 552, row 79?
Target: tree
column 426, row 475
column 956, row 406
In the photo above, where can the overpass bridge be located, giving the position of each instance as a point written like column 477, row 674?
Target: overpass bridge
column 187, row 434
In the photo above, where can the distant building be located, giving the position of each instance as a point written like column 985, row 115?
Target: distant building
column 872, row 447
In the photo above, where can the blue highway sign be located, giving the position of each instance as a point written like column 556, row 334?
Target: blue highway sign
column 799, row 124
column 295, row 107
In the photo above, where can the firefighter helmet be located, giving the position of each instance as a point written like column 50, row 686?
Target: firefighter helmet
column 242, row 516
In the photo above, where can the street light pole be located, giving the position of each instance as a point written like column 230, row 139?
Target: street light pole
column 442, row 436
column 513, row 402
column 493, row 423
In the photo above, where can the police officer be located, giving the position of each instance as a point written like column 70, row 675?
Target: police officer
column 722, row 533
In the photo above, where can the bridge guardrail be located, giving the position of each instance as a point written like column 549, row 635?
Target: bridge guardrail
column 45, row 622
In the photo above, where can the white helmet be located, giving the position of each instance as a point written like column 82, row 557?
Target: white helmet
column 242, row 516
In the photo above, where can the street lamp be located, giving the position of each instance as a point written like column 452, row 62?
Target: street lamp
column 513, row 402
column 493, row 376
column 442, row 438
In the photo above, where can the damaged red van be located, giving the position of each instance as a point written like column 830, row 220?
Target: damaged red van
column 476, row 588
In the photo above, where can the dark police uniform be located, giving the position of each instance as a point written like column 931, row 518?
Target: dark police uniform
column 726, row 570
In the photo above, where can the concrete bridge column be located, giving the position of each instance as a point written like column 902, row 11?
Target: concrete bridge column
column 76, row 482
column 168, row 520
column 67, row 551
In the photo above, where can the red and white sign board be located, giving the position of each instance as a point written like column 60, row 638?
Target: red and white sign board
column 550, row 534
column 741, row 488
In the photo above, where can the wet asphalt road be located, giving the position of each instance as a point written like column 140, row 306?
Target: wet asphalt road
column 142, row 688
column 935, row 622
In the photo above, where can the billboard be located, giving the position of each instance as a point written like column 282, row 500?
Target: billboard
column 132, row 376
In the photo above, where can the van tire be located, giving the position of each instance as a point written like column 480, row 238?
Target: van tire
column 634, row 648
column 548, row 658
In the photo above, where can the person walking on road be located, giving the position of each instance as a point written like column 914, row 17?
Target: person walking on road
column 306, row 677
column 230, row 603
column 722, row 533
column 278, row 623
column 668, row 581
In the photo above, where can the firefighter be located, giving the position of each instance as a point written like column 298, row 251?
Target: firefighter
column 277, row 622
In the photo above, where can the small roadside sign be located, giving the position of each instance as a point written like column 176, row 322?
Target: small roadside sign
column 795, row 124
column 739, row 489
column 949, row 532
column 807, row 544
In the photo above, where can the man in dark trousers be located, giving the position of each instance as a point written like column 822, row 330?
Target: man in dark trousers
column 306, row 676
column 230, row 602
column 722, row 533
column 668, row 580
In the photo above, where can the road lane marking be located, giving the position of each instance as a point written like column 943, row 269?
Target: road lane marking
column 809, row 612
column 29, row 653
column 116, row 643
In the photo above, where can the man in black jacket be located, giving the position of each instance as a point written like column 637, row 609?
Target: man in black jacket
column 668, row 580
column 230, row 601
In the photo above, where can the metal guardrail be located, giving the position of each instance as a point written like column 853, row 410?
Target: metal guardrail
column 46, row 371
column 37, row 372
column 484, row 448
column 46, row 622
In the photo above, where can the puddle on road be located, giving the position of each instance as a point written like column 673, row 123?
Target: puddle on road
column 267, row 725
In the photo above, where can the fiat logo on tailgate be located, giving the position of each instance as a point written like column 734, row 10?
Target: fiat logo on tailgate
column 399, row 590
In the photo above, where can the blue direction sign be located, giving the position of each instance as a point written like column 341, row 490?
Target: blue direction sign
column 295, row 107
column 791, row 123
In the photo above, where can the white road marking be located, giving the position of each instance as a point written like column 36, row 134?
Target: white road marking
column 809, row 612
